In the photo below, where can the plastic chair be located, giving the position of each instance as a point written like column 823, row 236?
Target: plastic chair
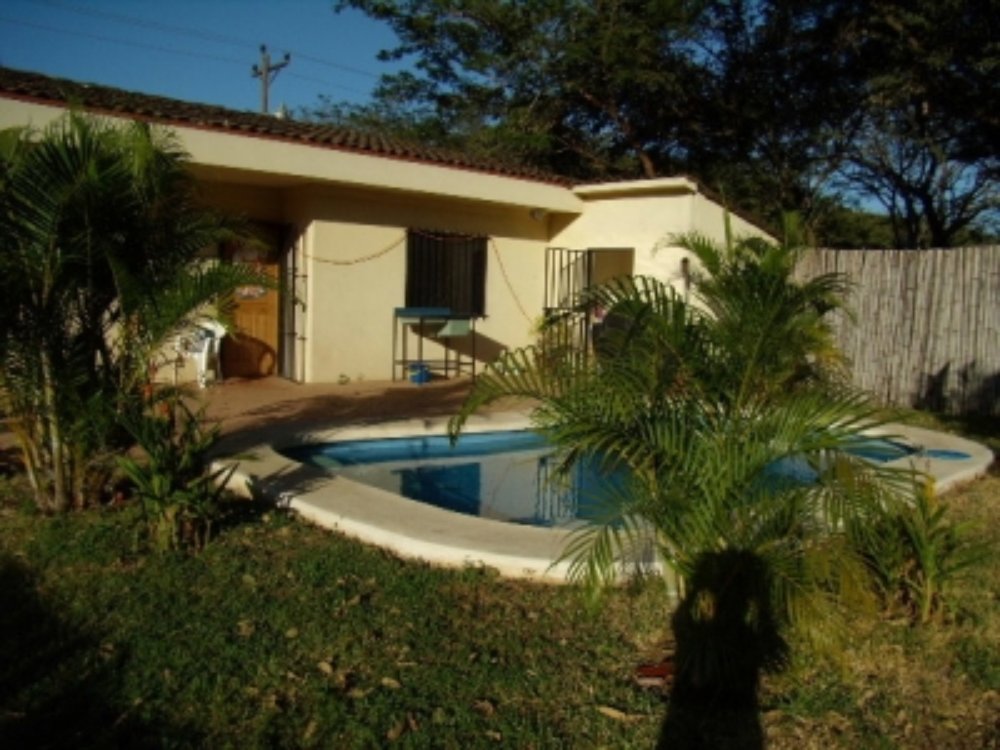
column 202, row 345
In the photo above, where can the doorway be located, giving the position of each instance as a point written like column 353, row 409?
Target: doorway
column 253, row 349
column 567, row 274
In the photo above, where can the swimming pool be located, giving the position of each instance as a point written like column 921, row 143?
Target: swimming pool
column 413, row 530
column 508, row 475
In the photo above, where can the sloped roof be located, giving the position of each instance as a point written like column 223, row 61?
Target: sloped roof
column 42, row 89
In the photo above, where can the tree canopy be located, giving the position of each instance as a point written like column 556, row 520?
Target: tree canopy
column 585, row 89
column 778, row 104
column 924, row 140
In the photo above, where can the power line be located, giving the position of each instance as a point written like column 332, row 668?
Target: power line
column 322, row 82
column 208, row 36
column 114, row 40
column 166, row 50
column 338, row 66
column 205, row 35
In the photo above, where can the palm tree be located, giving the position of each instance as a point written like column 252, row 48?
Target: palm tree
column 730, row 455
column 99, row 233
column 775, row 327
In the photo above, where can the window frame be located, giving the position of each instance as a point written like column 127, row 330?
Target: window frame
column 446, row 270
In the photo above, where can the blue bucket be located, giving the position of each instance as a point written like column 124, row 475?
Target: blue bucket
column 419, row 373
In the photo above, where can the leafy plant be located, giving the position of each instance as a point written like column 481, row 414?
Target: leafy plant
column 100, row 230
column 772, row 327
column 179, row 495
column 736, row 446
column 916, row 552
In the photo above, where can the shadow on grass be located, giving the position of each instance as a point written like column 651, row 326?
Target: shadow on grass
column 270, row 493
column 61, row 687
column 709, row 727
column 10, row 461
column 984, row 426
column 725, row 635
column 237, row 512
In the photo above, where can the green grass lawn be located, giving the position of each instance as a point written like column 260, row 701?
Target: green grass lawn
column 284, row 635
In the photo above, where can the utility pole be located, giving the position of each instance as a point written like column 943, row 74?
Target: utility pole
column 266, row 72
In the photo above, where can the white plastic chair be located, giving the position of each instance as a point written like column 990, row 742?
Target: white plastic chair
column 202, row 345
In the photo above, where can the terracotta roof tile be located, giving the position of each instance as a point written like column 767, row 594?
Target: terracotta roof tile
column 35, row 87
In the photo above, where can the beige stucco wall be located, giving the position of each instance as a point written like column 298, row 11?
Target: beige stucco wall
column 17, row 114
column 355, row 260
column 638, row 216
column 286, row 163
column 351, row 247
column 317, row 163
column 643, row 215
column 353, row 253
column 708, row 218
column 256, row 202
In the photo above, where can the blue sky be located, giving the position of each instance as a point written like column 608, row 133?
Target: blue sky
column 199, row 50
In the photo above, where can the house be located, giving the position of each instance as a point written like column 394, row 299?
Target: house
column 364, row 229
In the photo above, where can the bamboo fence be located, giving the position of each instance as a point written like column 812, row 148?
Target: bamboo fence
column 923, row 326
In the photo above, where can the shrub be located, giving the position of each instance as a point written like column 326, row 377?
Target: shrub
column 179, row 495
column 915, row 553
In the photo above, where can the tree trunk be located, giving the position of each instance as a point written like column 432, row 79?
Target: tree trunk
column 60, row 488
column 28, row 441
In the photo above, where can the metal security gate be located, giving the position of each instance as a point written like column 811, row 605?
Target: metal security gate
column 567, row 274
column 293, row 298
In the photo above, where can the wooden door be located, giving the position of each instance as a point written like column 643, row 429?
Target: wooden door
column 252, row 350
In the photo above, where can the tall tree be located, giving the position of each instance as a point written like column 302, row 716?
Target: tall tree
column 925, row 133
column 589, row 89
column 744, row 95
column 770, row 123
column 778, row 104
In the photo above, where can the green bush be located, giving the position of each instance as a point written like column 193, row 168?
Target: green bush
column 916, row 553
column 179, row 495
column 101, row 231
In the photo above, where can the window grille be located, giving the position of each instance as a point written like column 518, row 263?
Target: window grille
column 446, row 270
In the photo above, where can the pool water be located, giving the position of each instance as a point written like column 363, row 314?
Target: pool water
column 881, row 450
column 506, row 475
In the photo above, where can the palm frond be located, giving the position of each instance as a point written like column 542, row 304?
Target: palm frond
column 734, row 437
column 709, row 254
column 99, row 225
column 614, row 543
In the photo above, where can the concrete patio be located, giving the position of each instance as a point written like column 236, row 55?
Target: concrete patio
column 243, row 408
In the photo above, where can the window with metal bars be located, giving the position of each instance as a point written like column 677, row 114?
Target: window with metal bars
column 446, row 270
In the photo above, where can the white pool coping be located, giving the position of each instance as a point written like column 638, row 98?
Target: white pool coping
column 947, row 473
column 423, row 532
